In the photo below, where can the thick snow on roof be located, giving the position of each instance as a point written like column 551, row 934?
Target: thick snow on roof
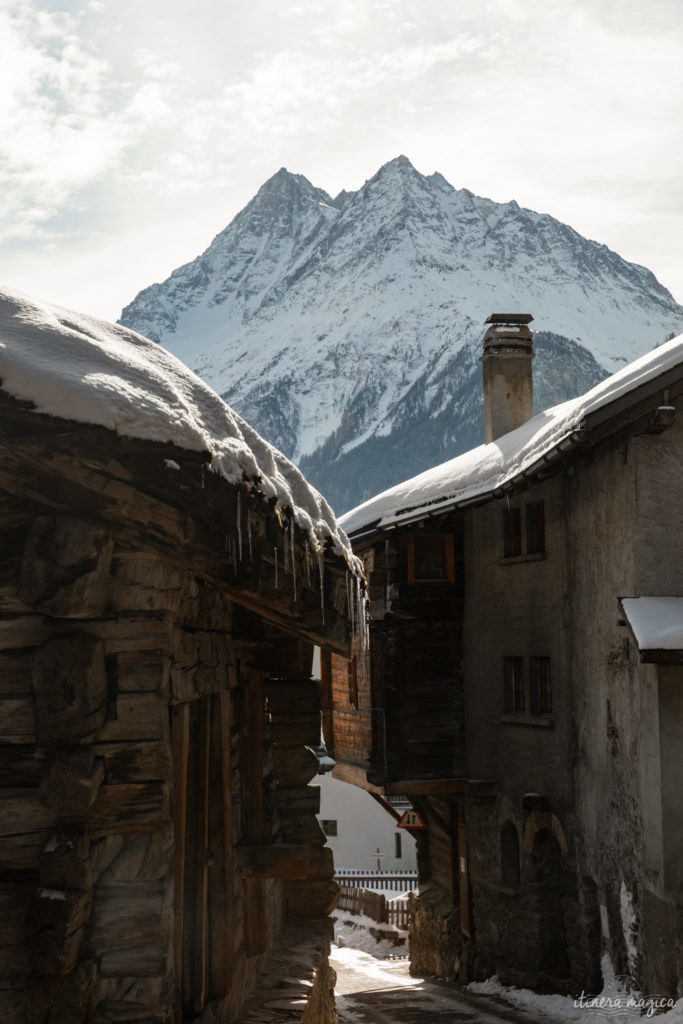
column 484, row 469
column 657, row 622
column 82, row 369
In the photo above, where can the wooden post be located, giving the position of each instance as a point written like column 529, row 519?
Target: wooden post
column 181, row 747
column 201, row 957
column 222, row 912
column 255, row 921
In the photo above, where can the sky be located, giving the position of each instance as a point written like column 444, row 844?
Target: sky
column 133, row 131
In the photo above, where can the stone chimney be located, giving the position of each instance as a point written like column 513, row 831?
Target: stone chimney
column 506, row 362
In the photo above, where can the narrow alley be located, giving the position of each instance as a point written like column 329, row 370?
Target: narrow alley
column 372, row 991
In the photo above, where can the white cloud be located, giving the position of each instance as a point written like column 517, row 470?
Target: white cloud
column 569, row 107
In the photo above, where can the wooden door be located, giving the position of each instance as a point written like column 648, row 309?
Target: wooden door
column 202, row 817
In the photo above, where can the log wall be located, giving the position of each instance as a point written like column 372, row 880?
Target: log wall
column 156, row 826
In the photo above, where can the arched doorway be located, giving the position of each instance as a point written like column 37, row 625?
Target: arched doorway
column 553, row 961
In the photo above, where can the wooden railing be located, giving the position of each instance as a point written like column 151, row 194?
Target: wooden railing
column 374, row 905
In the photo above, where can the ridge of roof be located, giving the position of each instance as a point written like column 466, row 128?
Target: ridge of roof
column 481, row 472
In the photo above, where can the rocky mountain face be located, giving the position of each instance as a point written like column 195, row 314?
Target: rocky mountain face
column 347, row 331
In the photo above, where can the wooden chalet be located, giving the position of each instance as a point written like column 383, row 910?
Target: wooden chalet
column 524, row 687
column 159, row 847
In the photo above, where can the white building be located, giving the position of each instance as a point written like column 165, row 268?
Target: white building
column 360, row 833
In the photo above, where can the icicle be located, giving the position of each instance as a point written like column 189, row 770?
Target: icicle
column 348, row 593
column 202, row 476
column 285, row 552
column 321, row 570
column 239, row 525
column 251, row 552
column 291, row 537
column 275, row 549
column 308, row 565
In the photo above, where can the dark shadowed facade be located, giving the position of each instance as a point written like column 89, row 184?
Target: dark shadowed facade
column 534, row 716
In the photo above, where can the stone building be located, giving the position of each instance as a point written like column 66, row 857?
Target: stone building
column 164, row 576
column 525, row 680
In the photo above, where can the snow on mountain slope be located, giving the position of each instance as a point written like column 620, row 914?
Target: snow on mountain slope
column 348, row 330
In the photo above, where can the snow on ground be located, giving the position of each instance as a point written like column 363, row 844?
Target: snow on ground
column 358, row 936
column 78, row 368
column 483, row 469
column 614, row 1004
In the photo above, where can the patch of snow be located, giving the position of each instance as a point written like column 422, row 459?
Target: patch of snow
column 52, row 894
column 657, row 622
column 358, row 936
column 484, row 469
column 560, row 1008
column 171, row 464
column 82, row 369
column 629, row 924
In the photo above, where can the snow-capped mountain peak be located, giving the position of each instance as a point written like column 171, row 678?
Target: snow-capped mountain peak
column 347, row 329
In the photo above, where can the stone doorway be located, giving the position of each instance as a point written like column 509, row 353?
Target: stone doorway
column 553, row 961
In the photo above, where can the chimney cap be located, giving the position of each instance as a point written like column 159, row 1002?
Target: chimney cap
column 509, row 318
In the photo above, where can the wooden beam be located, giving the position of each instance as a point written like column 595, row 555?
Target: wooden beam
column 356, row 776
column 282, row 860
column 255, row 920
column 224, row 711
column 386, row 806
column 201, row 948
column 181, row 748
column 423, row 787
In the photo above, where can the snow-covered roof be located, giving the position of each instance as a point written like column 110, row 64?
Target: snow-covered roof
column 657, row 622
column 82, row 369
column 483, row 470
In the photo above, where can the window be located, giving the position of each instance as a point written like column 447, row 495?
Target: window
column 513, row 672
column 329, row 826
column 509, row 854
column 512, row 532
column 431, row 558
column 534, row 530
column 539, row 686
column 353, row 682
column 397, row 838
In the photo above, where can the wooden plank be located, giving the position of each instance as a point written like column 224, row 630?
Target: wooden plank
column 255, row 920
column 294, row 766
column 135, row 762
column 135, row 962
column 139, row 716
column 142, row 671
column 127, row 915
column 225, row 716
column 15, row 674
column 22, row 812
column 281, row 860
column 17, row 723
column 201, row 962
column 70, row 686
column 65, row 567
column 129, row 809
column 297, row 799
column 296, row 730
column 181, row 748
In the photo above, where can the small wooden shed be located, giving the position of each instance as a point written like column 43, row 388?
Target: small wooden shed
column 164, row 575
